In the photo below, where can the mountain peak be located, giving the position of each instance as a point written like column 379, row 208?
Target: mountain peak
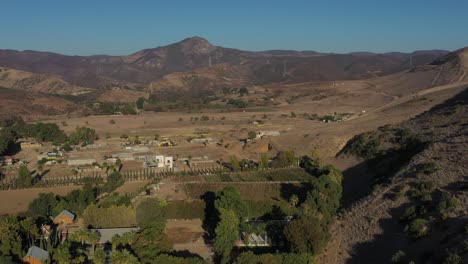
column 196, row 45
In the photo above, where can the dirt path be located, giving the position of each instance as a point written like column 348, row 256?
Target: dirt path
column 407, row 98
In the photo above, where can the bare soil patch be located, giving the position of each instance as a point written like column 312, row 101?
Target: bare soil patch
column 17, row 201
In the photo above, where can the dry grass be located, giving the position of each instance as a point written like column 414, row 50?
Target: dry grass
column 17, row 201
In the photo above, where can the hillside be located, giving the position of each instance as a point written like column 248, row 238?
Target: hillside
column 34, row 105
column 419, row 201
column 27, row 81
column 138, row 69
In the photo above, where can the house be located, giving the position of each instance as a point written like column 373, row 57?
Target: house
column 259, row 239
column 64, row 218
column 27, row 144
column 108, row 233
column 36, row 255
column 253, row 240
column 7, row 160
column 81, row 162
column 157, row 161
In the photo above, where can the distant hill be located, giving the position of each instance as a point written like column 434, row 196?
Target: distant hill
column 138, row 69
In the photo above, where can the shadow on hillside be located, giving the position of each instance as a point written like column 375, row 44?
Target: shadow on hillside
column 443, row 235
column 357, row 183
column 383, row 246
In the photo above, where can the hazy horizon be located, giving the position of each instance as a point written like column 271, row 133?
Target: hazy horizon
column 122, row 28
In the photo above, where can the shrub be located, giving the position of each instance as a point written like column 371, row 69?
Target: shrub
column 418, row 228
column 397, row 257
column 252, row 135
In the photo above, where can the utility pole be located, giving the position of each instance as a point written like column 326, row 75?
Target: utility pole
column 209, row 61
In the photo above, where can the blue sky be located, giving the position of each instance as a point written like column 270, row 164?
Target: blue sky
column 122, row 27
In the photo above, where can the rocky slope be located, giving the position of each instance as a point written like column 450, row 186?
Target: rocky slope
column 418, row 208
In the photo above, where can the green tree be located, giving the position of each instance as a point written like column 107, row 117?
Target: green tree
column 123, row 257
column 229, row 199
column 243, row 91
column 293, row 200
column 227, row 232
column 307, row 235
column 10, row 237
column 93, row 239
column 140, row 103
column 235, row 165
column 6, row 140
column 122, row 240
column 252, row 135
column 30, row 230
column 83, row 135
column 80, row 236
column 24, row 177
column 43, row 205
column 99, row 257
column 61, row 254
column 264, row 160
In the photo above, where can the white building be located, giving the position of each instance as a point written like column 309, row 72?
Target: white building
column 261, row 134
column 157, row 161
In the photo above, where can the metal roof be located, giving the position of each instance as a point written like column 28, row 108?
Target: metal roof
column 38, row 253
column 108, row 233
column 66, row 213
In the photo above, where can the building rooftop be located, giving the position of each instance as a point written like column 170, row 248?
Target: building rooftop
column 108, row 233
column 38, row 253
column 66, row 213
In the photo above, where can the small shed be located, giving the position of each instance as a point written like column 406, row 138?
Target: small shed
column 36, row 255
column 64, row 218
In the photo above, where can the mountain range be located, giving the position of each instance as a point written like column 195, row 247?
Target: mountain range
column 137, row 70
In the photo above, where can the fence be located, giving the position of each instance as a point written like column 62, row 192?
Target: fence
column 10, row 182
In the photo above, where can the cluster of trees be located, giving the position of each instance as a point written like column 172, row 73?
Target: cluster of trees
column 76, row 201
column 110, row 108
column 7, row 139
column 17, row 234
column 82, row 135
column 109, row 217
column 49, row 204
column 283, row 258
column 148, row 245
column 427, row 202
column 43, row 132
column 306, row 234
column 238, row 103
column 283, row 159
column 153, row 208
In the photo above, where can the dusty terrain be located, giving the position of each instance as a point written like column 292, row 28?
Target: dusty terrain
column 17, row 201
